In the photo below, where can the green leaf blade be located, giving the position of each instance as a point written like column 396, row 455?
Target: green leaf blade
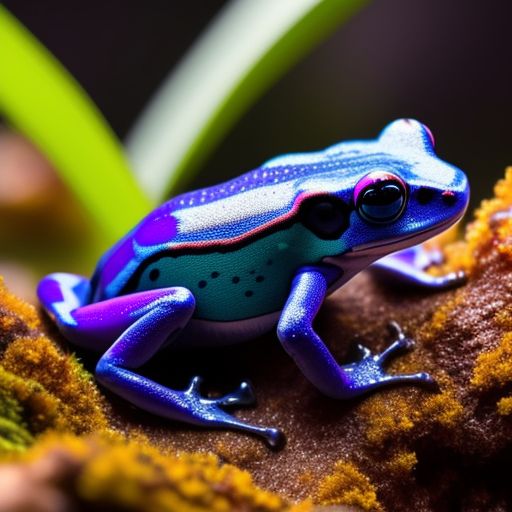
column 250, row 44
column 45, row 103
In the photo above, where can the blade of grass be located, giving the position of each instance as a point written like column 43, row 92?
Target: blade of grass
column 247, row 47
column 43, row 101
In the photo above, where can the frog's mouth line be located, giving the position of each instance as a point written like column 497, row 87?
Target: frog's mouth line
column 382, row 247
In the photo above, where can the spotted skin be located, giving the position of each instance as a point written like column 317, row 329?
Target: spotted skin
column 252, row 281
column 266, row 248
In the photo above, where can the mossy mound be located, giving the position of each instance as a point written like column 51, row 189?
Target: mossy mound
column 110, row 473
column 42, row 387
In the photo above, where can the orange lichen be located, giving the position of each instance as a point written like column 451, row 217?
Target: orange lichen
column 402, row 463
column 347, row 485
column 108, row 472
column 393, row 414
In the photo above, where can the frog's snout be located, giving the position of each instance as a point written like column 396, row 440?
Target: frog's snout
column 426, row 195
column 454, row 199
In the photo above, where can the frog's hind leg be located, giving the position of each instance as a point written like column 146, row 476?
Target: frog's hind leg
column 61, row 293
column 409, row 267
column 141, row 323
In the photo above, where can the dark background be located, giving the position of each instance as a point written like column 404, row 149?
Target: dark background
column 446, row 63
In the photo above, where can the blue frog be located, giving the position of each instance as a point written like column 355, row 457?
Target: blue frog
column 228, row 263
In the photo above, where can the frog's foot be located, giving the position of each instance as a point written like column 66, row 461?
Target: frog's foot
column 369, row 373
column 409, row 267
column 210, row 411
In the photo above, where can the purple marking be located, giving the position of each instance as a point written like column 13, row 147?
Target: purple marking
column 49, row 290
column 157, row 229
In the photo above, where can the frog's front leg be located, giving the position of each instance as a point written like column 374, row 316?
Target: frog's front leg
column 141, row 323
column 298, row 337
column 409, row 267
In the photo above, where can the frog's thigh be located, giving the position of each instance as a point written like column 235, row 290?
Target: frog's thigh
column 96, row 326
column 409, row 267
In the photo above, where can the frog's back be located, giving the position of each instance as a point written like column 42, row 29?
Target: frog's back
column 222, row 218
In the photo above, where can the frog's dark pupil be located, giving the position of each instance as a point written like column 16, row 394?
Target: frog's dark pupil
column 154, row 274
column 382, row 202
column 382, row 196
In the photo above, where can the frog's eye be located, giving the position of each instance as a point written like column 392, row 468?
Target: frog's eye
column 380, row 197
column 328, row 218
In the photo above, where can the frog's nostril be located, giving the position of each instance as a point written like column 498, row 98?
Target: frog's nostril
column 449, row 197
column 425, row 195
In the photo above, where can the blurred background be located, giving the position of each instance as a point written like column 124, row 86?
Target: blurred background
column 447, row 64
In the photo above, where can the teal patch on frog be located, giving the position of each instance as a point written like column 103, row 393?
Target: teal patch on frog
column 245, row 283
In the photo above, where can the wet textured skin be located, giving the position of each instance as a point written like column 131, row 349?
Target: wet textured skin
column 227, row 263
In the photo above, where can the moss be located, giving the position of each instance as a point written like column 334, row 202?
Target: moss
column 81, row 407
column 505, row 406
column 347, row 485
column 486, row 231
column 41, row 386
column 493, row 369
column 14, row 309
column 107, row 472
column 393, row 414
column 402, row 463
column 431, row 330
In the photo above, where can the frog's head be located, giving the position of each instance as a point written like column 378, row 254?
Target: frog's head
column 397, row 193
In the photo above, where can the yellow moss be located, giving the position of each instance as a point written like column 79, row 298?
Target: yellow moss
column 505, row 406
column 347, row 485
column 303, row 506
column 16, row 308
column 393, row 414
column 402, row 463
column 431, row 329
column 80, row 406
column 493, row 369
column 116, row 473
column 482, row 231
column 503, row 318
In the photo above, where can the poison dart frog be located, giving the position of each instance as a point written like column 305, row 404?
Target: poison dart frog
column 227, row 263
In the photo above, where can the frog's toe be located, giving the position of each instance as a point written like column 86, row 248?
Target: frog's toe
column 401, row 344
column 275, row 438
column 244, row 395
column 421, row 378
column 362, row 352
column 194, row 386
